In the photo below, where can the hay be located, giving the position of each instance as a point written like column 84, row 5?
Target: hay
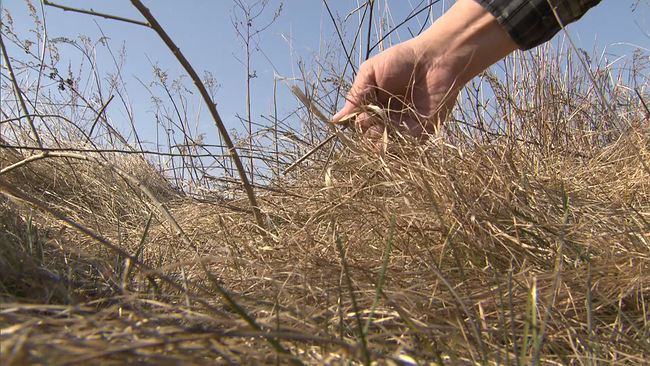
column 475, row 240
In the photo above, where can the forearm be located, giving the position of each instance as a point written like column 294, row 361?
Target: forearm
column 466, row 40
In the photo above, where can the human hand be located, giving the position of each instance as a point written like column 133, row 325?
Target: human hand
column 416, row 82
column 414, row 91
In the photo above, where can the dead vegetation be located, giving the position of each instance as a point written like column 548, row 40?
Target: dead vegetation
column 522, row 239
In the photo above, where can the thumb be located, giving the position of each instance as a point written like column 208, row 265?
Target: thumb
column 363, row 91
column 347, row 109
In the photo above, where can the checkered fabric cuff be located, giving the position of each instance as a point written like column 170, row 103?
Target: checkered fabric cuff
column 533, row 22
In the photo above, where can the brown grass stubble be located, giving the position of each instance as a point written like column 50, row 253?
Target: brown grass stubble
column 469, row 215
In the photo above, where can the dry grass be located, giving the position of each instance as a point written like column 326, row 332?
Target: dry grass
column 471, row 271
column 523, row 239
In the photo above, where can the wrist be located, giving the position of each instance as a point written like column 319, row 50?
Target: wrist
column 466, row 40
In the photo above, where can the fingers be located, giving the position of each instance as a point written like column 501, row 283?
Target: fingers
column 364, row 121
column 400, row 100
column 371, row 124
column 374, row 132
column 363, row 91
column 341, row 116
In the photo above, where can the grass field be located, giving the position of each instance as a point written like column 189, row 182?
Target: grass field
column 519, row 235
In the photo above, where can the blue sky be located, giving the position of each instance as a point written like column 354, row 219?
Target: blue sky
column 205, row 34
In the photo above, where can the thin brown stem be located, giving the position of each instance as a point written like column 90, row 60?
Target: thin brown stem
column 99, row 114
column 94, row 13
column 153, row 23
column 19, row 96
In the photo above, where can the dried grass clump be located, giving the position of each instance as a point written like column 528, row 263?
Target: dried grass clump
column 84, row 192
column 482, row 240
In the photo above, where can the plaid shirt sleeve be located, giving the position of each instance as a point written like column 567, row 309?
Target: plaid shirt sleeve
column 533, row 22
